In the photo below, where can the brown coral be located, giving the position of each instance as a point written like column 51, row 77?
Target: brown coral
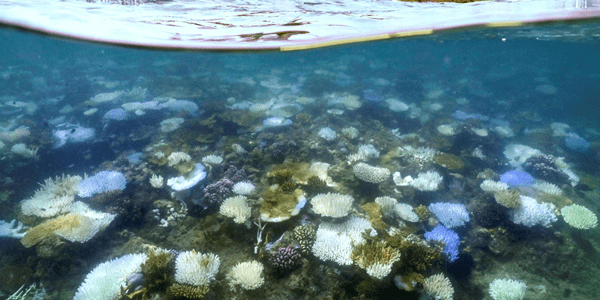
column 279, row 206
column 375, row 217
column 423, row 212
column 372, row 252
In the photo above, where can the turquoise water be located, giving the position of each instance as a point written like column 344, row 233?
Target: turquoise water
column 466, row 99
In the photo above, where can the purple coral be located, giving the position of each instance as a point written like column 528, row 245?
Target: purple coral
column 235, row 175
column 285, row 259
column 216, row 192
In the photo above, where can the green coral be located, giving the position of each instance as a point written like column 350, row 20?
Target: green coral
column 187, row 291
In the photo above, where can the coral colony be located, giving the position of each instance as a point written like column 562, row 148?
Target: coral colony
column 358, row 174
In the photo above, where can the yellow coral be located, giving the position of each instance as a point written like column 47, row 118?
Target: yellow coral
column 40, row 232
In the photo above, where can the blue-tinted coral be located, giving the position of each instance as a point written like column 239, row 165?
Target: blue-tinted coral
column 516, row 178
column 461, row 115
column 576, row 143
column 117, row 114
column 135, row 158
column 69, row 133
column 372, row 96
column 450, row 214
column 104, row 181
column 449, row 237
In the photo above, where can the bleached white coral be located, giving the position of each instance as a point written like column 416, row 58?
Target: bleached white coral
column 181, row 183
column 368, row 150
column 243, row 188
column 572, row 176
column 195, row 268
column 106, row 280
column 236, row 208
column 439, row 287
column 157, row 181
column 90, row 223
column 212, row 160
column 247, row 274
column 370, row 174
column 429, row 181
column 332, row 204
column 350, row 132
column 547, row 188
column 335, row 242
column 517, row 154
column 396, row 105
column 507, row 289
column 482, row 132
column 446, row 129
column 504, row 131
column 107, row 97
column 493, row 186
column 406, row 213
column 420, row 156
column 354, row 157
column 237, row 148
column 400, row 181
column 22, row 150
column 531, row 213
column 12, row 229
column 388, row 205
column 327, row 134
column 379, row 270
column 178, row 157
column 365, row 152
column 54, row 197
column 559, row 129
column 172, row 124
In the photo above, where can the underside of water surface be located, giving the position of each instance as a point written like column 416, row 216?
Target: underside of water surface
column 452, row 164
